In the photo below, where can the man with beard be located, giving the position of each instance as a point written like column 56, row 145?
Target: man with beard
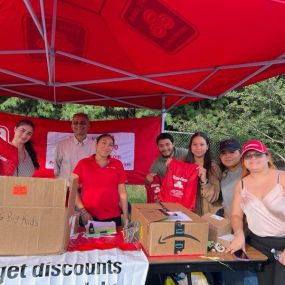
column 167, row 149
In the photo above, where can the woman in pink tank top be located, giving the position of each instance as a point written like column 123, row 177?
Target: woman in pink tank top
column 260, row 195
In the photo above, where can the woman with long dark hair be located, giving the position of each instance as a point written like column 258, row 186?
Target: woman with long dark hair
column 209, row 174
column 19, row 158
column 102, row 179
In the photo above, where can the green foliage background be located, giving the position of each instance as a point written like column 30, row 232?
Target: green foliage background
column 256, row 111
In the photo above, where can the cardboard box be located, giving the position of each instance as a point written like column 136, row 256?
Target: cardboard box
column 218, row 226
column 161, row 237
column 226, row 240
column 34, row 215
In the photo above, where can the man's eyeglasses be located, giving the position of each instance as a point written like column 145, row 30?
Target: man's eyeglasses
column 254, row 154
column 83, row 123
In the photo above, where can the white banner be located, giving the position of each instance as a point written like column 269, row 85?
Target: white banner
column 96, row 267
column 124, row 148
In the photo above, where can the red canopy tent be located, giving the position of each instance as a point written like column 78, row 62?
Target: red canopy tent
column 137, row 53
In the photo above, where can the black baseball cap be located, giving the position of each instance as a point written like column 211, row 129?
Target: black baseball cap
column 230, row 144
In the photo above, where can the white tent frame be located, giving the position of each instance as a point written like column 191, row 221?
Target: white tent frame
column 51, row 53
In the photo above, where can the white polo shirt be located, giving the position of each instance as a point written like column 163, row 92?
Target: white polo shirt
column 68, row 153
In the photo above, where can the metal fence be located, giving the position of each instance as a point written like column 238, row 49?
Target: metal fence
column 182, row 139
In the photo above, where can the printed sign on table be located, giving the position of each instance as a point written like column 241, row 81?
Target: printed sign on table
column 96, row 267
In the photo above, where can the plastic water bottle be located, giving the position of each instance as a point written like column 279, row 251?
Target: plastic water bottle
column 276, row 253
column 91, row 229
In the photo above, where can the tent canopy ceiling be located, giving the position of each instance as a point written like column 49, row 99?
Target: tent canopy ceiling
column 138, row 53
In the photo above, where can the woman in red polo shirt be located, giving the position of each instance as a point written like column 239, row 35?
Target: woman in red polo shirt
column 102, row 179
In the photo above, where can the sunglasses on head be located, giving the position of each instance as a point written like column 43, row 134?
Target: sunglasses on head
column 254, row 154
column 79, row 123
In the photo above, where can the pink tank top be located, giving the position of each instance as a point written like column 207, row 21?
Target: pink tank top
column 265, row 217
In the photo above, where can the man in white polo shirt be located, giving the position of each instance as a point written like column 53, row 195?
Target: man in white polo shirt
column 70, row 151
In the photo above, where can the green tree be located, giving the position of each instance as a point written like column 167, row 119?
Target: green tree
column 43, row 109
column 30, row 107
column 257, row 111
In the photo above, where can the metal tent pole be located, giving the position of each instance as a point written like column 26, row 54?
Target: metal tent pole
column 163, row 113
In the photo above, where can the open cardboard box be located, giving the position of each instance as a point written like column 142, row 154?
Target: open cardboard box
column 218, row 226
column 34, row 215
column 161, row 237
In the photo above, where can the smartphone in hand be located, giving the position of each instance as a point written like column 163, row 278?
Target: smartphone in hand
column 240, row 255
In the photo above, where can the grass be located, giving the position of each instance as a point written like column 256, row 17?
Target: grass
column 137, row 193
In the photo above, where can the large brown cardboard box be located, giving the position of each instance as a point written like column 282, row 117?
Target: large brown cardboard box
column 161, row 237
column 218, row 226
column 34, row 215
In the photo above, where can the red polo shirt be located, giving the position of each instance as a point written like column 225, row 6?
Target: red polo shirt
column 100, row 194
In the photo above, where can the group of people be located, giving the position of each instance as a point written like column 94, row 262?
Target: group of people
column 245, row 182
column 102, row 195
column 199, row 152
